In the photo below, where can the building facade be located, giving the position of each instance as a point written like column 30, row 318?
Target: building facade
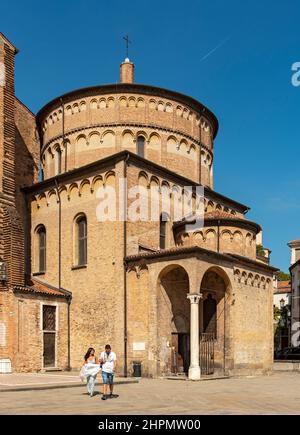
column 176, row 296
column 282, row 294
column 295, row 287
column 282, row 314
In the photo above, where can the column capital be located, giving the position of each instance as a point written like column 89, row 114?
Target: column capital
column 194, row 297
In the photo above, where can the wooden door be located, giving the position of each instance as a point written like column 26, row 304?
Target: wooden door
column 49, row 335
column 49, row 349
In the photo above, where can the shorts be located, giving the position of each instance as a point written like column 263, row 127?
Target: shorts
column 108, row 378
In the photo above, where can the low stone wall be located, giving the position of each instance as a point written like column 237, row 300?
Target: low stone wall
column 286, row 366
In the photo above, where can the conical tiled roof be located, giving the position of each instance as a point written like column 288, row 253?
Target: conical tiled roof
column 219, row 214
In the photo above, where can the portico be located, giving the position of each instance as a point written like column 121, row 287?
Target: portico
column 198, row 311
column 186, row 302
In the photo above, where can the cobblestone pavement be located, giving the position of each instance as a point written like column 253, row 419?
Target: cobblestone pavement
column 19, row 381
column 27, row 379
column 275, row 394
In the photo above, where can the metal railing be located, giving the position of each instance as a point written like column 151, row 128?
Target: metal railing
column 207, row 362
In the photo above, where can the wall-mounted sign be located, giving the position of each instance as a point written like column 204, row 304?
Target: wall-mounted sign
column 138, row 346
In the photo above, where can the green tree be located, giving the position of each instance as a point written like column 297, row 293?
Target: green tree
column 260, row 251
column 282, row 276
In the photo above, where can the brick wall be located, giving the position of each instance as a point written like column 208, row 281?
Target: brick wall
column 7, row 190
column 97, row 290
column 28, row 339
column 176, row 136
column 19, row 156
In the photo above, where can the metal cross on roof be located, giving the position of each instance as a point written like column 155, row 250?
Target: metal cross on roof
column 126, row 38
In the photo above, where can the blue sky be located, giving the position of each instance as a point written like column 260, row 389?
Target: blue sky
column 233, row 56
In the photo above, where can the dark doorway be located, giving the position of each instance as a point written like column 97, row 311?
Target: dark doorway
column 210, row 315
column 49, row 335
column 49, row 349
column 181, row 352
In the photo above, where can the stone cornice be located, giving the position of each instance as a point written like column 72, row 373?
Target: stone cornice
column 133, row 88
column 256, row 264
column 67, row 177
column 222, row 222
column 196, row 251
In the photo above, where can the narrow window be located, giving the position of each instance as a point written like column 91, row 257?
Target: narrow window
column 41, row 174
column 82, row 240
column 49, row 318
column 42, row 249
column 163, row 230
column 58, row 156
column 141, row 146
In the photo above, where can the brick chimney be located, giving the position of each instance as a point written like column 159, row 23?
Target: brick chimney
column 295, row 250
column 127, row 71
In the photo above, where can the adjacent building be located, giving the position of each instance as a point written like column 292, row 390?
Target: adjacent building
column 295, row 283
column 282, row 312
column 282, row 294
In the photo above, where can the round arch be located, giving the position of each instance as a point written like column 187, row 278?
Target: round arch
column 173, row 319
column 215, row 288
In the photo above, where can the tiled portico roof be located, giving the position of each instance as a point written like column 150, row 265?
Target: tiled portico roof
column 283, row 287
column 34, row 285
column 194, row 250
column 219, row 214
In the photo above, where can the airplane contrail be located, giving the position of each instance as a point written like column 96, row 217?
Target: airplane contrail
column 214, row 49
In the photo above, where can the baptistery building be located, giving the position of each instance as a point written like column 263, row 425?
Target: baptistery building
column 98, row 246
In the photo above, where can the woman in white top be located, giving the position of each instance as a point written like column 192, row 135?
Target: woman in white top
column 90, row 370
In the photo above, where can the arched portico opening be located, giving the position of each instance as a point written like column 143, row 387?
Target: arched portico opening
column 214, row 288
column 173, row 309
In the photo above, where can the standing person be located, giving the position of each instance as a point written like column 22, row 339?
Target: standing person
column 108, row 362
column 90, row 369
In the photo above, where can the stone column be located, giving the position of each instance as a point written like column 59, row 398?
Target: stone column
column 194, row 370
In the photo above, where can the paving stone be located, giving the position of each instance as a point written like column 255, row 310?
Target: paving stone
column 276, row 394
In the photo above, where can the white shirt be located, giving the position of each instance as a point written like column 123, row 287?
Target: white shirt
column 108, row 361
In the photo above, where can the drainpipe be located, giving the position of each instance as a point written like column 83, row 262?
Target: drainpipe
column 69, row 297
column 59, row 234
column 224, row 333
column 125, row 265
column 200, row 174
column 59, row 238
column 200, row 149
column 63, row 131
column 69, row 334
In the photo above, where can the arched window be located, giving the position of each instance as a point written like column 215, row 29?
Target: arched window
column 41, row 174
column 163, row 230
column 81, row 241
column 41, row 242
column 58, row 161
column 141, row 146
column 210, row 315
